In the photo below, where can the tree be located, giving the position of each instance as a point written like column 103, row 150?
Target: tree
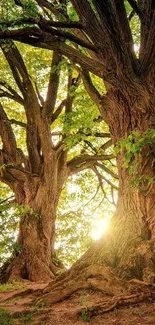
column 100, row 39
column 36, row 170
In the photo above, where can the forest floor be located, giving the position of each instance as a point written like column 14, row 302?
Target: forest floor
column 19, row 305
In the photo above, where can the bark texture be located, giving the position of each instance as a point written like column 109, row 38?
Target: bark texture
column 126, row 250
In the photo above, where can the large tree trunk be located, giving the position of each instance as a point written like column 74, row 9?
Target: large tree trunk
column 38, row 198
column 126, row 250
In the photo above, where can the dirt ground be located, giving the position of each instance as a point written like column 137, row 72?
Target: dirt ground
column 22, row 306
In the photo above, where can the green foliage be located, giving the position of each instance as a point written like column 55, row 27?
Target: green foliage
column 8, row 226
column 134, row 147
column 8, row 10
column 30, row 8
column 11, row 286
column 71, row 12
column 5, row 318
column 25, row 318
column 16, row 248
column 86, row 311
column 39, row 305
column 85, row 314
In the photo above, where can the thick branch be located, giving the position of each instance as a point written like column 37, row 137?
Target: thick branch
column 101, row 177
column 69, row 36
column 58, row 110
column 147, row 50
column 7, row 135
column 106, row 145
column 107, row 170
column 53, row 85
column 31, row 105
column 117, row 33
column 72, row 82
column 63, row 24
column 16, row 64
column 93, row 92
column 124, row 30
column 10, row 93
column 96, row 135
column 34, row 21
column 79, row 163
column 37, row 38
column 22, row 124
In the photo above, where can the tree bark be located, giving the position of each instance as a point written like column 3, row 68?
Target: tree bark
column 37, row 197
column 126, row 250
column 37, row 228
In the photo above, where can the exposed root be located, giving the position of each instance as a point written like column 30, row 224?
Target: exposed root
column 20, row 294
column 92, row 277
column 116, row 302
column 142, row 283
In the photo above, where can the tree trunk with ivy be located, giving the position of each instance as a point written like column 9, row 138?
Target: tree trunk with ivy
column 126, row 251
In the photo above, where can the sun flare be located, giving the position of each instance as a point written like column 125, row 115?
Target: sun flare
column 100, row 226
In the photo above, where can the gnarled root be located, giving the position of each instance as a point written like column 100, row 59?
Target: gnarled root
column 92, row 277
column 116, row 302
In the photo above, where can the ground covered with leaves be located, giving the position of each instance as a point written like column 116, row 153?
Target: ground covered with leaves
column 21, row 303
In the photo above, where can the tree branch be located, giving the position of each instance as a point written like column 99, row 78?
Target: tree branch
column 93, row 92
column 100, row 178
column 7, row 135
column 62, row 24
column 147, row 48
column 58, row 110
column 106, row 145
column 47, row 23
column 107, row 170
column 12, row 94
column 81, row 162
column 33, row 36
column 22, row 124
column 67, row 35
column 41, row 99
column 16, row 64
column 52, row 85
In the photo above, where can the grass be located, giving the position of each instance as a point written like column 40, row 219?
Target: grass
column 5, row 318
column 25, row 318
column 12, row 286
